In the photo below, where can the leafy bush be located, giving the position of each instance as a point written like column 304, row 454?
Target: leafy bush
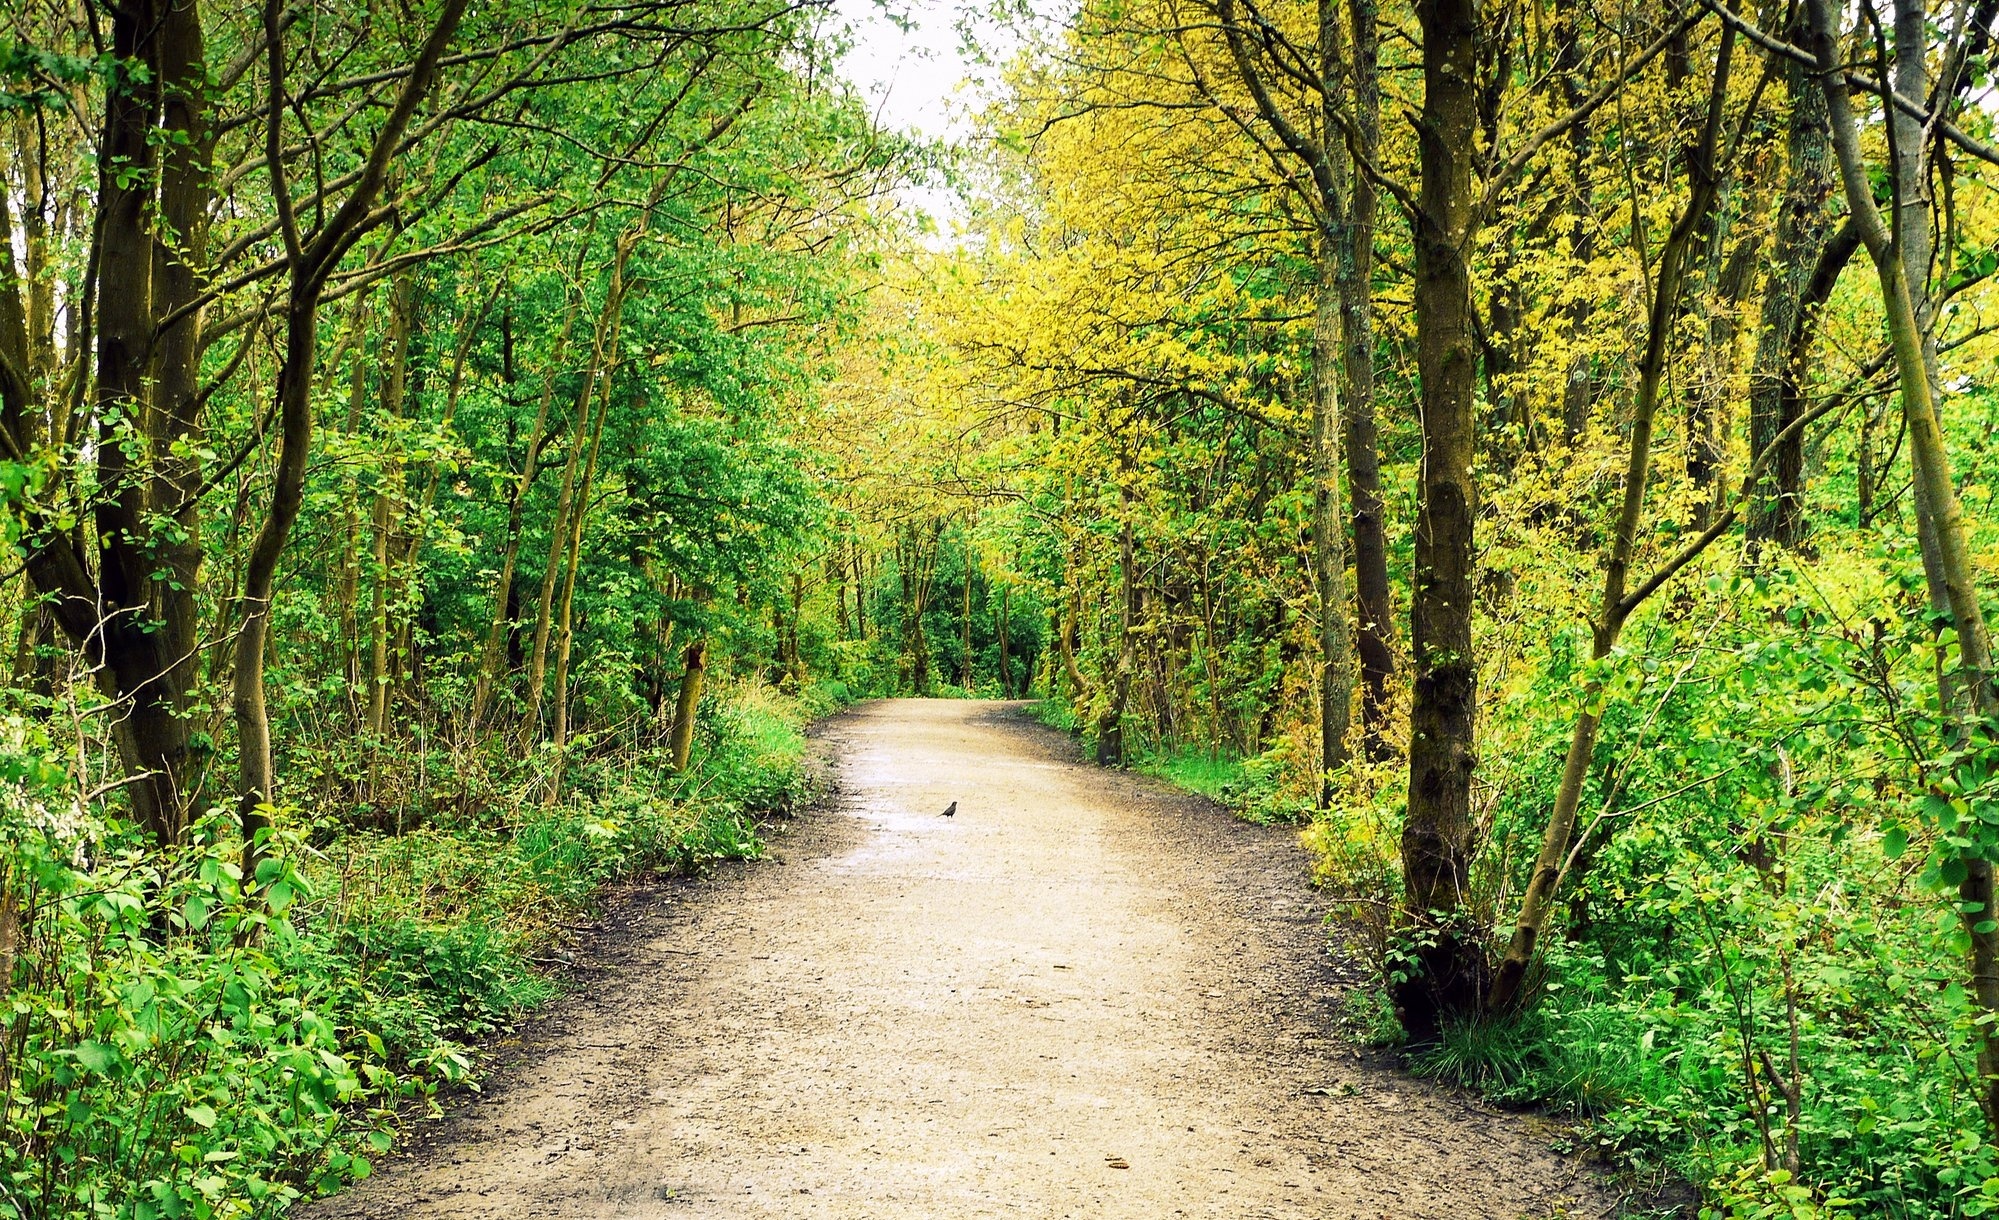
column 1759, row 960
column 178, row 1043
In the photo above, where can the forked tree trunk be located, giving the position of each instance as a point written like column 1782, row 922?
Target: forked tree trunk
column 566, row 633
column 492, row 653
column 311, row 262
column 1949, row 565
column 1065, row 639
column 1615, row 608
column 566, row 500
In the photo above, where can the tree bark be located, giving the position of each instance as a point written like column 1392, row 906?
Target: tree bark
column 491, row 653
column 1445, row 977
column 1804, row 229
column 1005, row 677
column 1110, row 722
column 1329, row 560
column 965, row 676
column 311, row 262
column 1374, row 625
column 347, row 586
column 602, row 345
column 566, row 633
column 695, row 667
column 395, row 385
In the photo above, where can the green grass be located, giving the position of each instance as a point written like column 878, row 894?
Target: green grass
column 1216, row 776
column 1055, row 713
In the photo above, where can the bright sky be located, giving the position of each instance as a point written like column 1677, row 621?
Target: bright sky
column 918, row 80
column 911, row 77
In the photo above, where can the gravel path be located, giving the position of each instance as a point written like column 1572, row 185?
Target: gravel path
column 1083, row 996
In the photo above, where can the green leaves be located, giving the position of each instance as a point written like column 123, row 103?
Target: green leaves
column 99, row 1057
column 1894, row 841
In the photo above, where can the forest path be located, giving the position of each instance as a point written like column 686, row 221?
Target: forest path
column 929, row 1018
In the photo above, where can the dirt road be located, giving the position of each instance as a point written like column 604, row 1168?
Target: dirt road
column 1083, row 996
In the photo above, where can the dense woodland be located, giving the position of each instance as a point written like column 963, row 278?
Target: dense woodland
column 1543, row 449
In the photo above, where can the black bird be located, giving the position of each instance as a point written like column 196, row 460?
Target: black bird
column 949, row 809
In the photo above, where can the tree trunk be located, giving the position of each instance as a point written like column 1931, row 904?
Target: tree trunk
column 1803, row 230
column 566, row 633
column 1614, row 608
column 1579, row 387
column 965, row 620
column 347, row 589
column 696, row 667
column 491, row 655
column 311, row 262
column 1065, row 637
column 1950, row 568
column 1110, row 722
column 1445, row 977
column 1374, row 626
column 566, row 503
column 395, row 384
column 1329, row 560
column 1005, row 677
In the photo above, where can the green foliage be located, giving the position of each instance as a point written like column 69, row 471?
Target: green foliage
column 1762, row 901
column 179, row 1044
column 1212, row 774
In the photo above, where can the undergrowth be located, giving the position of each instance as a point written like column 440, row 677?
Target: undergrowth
column 180, row 1043
column 1754, row 980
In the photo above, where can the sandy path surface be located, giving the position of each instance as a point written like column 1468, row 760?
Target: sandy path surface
column 1083, row 996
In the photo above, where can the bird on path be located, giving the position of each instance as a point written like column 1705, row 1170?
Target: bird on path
column 949, row 810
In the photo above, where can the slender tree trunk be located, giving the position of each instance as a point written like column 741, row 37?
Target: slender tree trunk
column 1065, row 637
column 836, row 562
column 965, row 620
column 1614, row 609
column 1448, row 967
column 695, row 664
column 1803, row 230
column 1329, row 560
column 1788, row 466
column 347, row 590
column 1374, row 625
column 1910, row 229
column 311, row 263
column 1579, row 387
column 1110, row 722
column 566, row 502
column 492, row 654
column 395, row 385
column 1951, row 572
column 1005, row 677
column 566, row 633
column 255, row 770
column 1717, row 362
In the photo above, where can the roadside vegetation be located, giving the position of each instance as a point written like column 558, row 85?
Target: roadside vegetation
column 188, row 1041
